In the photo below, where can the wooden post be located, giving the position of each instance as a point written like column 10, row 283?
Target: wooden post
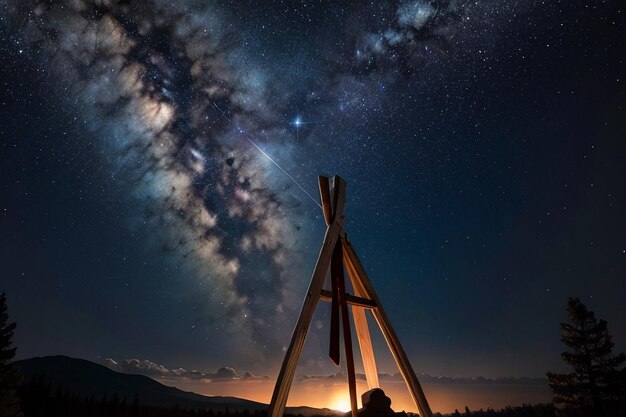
column 339, row 286
column 288, row 368
column 363, row 336
column 365, row 344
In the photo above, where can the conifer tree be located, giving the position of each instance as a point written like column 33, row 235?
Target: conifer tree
column 596, row 376
column 9, row 373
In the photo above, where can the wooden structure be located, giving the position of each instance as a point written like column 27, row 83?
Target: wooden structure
column 336, row 253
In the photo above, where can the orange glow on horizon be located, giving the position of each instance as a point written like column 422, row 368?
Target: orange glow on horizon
column 340, row 401
column 333, row 394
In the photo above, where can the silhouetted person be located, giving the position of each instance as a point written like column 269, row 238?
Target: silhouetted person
column 377, row 404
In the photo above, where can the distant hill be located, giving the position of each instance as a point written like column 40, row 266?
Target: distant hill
column 85, row 379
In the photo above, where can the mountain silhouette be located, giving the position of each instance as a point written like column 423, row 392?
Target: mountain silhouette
column 85, row 379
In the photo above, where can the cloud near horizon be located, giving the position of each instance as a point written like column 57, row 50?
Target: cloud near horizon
column 155, row 370
column 226, row 374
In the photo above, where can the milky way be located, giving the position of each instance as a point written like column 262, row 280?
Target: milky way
column 147, row 77
column 153, row 79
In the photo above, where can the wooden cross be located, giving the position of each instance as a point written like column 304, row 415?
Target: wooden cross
column 336, row 253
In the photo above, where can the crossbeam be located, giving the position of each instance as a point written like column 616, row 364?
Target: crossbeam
column 353, row 300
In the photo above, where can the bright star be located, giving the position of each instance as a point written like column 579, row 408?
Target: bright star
column 297, row 122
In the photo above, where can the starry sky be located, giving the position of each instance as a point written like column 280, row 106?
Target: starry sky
column 159, row 159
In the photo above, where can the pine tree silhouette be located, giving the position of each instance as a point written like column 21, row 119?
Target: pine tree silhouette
column 9, row 373
column 596, row 377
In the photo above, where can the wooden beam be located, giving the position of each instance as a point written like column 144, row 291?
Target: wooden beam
column 365, row 288
column 324, row 186
column 365, row 345
column 336, row 269
column 333, row 232
column 326, row 295
column 339, row 201
column 288, row 368
column 340, row 282
column 363, row 336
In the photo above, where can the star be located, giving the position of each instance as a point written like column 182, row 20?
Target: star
column 297, row 123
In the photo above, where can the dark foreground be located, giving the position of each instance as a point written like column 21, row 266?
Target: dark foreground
column 41, row 398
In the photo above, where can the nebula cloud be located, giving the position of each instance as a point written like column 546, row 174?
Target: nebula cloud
column 417, row 30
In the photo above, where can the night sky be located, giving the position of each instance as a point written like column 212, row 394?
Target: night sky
column 483, row 143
